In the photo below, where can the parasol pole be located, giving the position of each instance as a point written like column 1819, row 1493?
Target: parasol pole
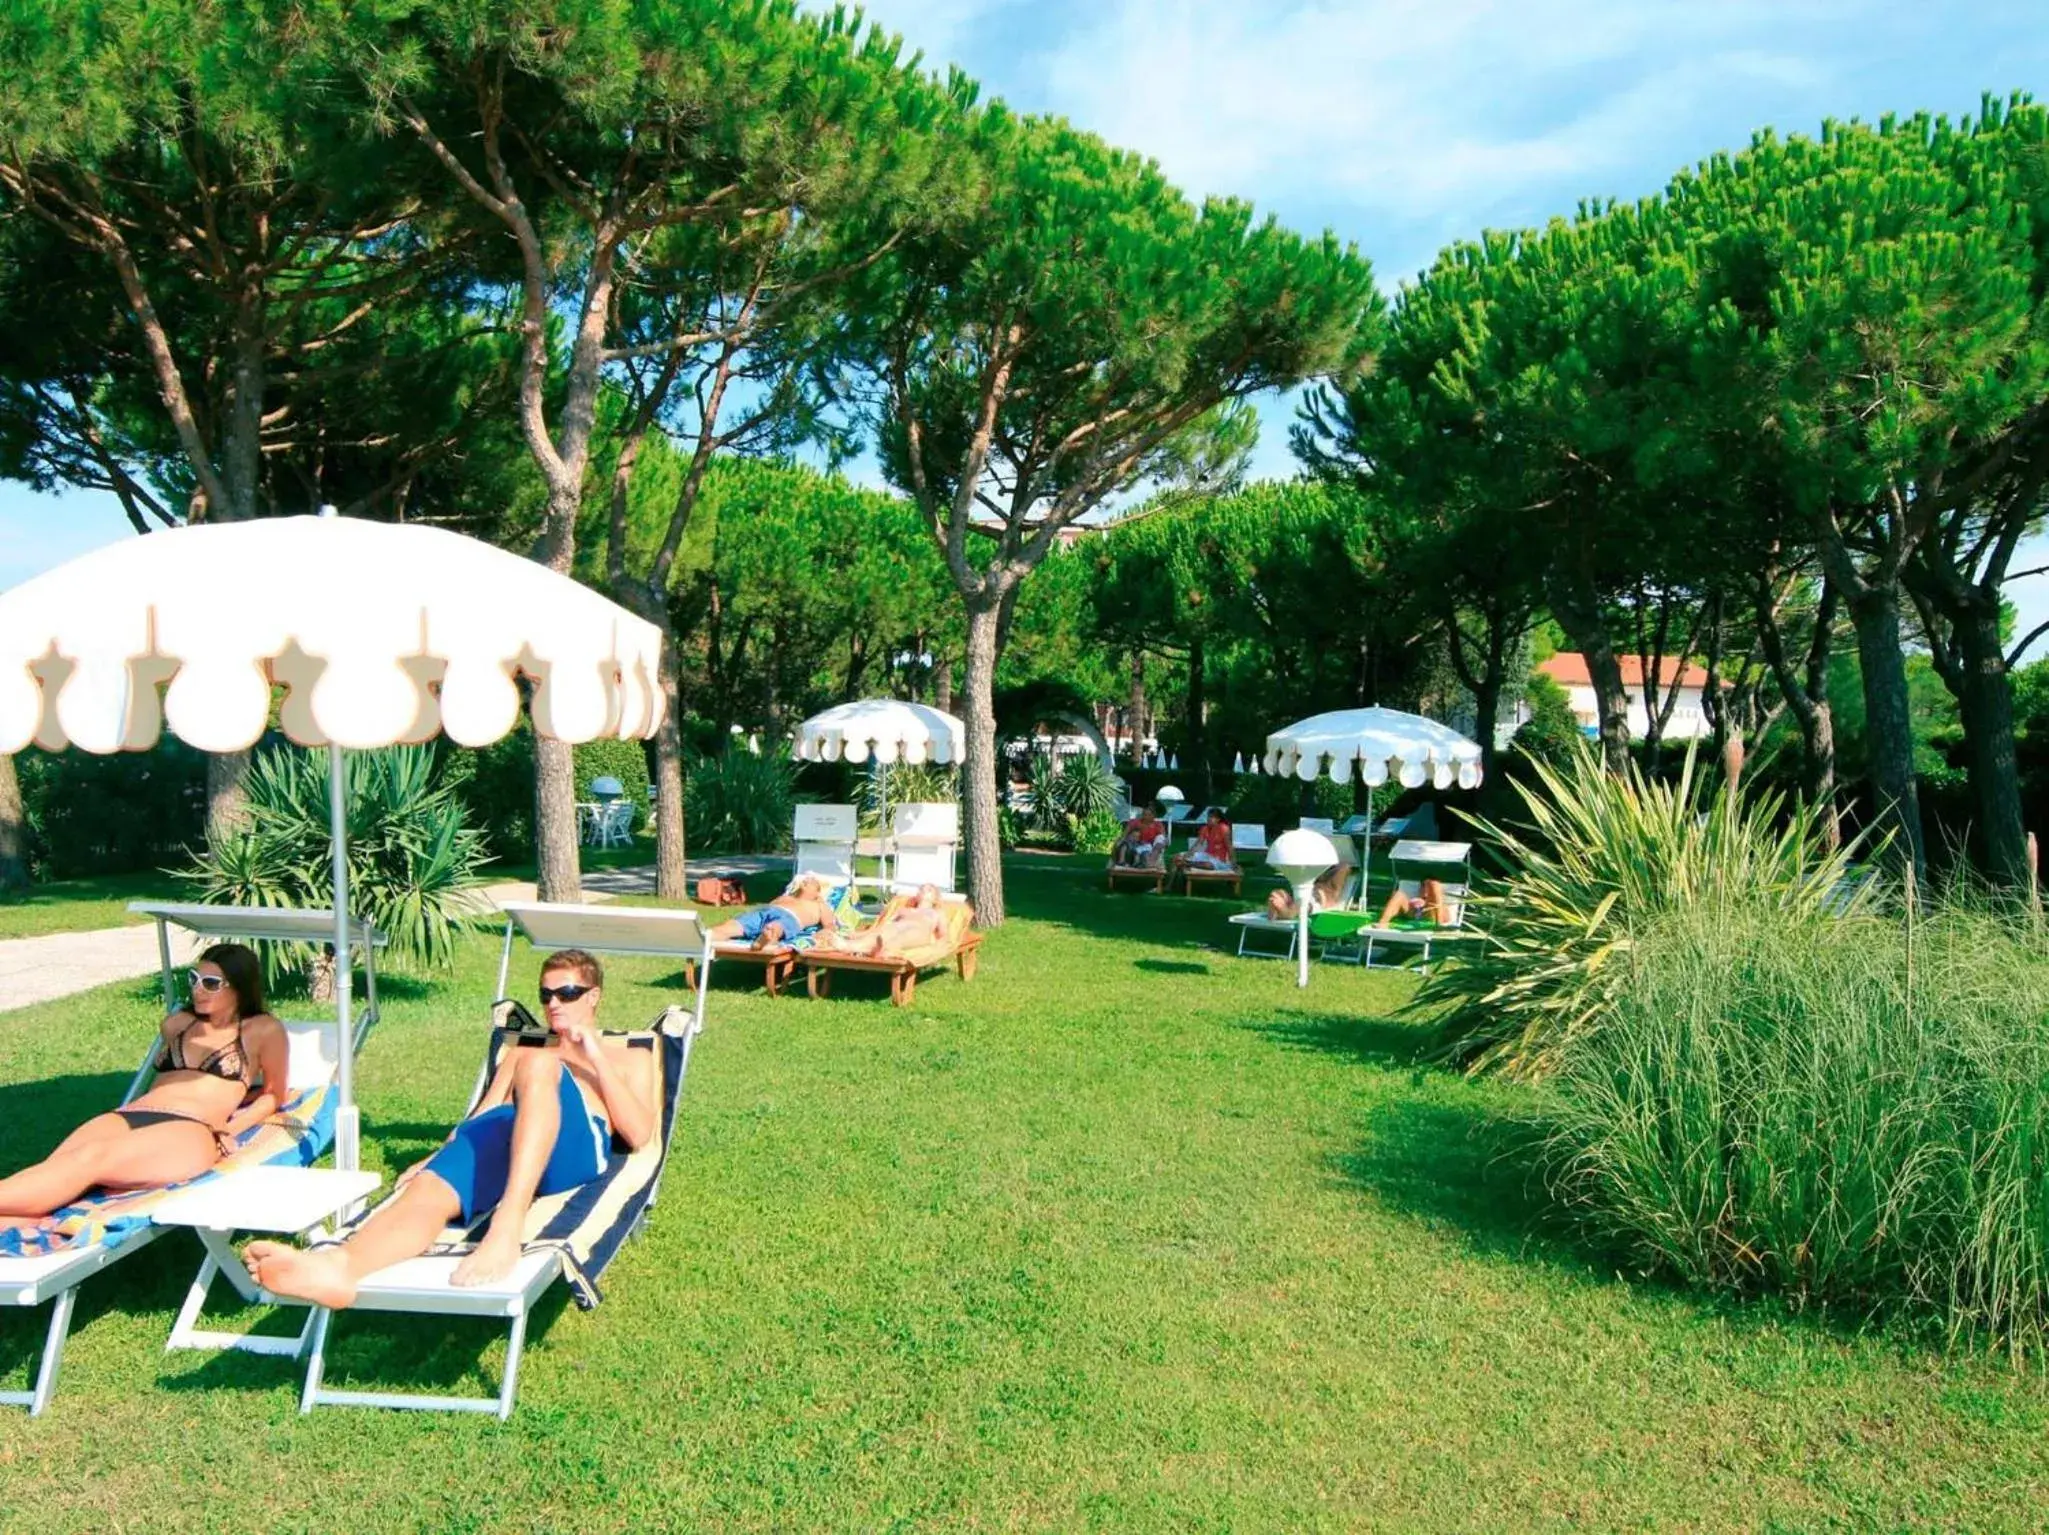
column 345, row 1119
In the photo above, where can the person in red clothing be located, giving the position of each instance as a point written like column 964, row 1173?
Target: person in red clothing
column 1212, row 846
column 1143, row 844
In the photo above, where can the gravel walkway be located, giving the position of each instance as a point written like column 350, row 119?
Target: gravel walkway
column 42, row 969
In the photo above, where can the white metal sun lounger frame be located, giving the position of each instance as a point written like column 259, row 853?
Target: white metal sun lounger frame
column 1445, row 855
column 56, row 1278
column 420, row 1285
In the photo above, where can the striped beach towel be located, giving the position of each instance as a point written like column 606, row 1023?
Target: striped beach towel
column 294, row 1136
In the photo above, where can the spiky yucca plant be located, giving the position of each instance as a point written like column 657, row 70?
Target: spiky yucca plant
column 412, row 855
column 738, row 802
column 1601, row 857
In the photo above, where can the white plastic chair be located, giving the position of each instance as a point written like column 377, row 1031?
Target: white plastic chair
column 925, row 843
column 824, row 836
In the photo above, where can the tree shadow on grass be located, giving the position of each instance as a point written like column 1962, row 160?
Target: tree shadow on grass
column 1170, row 967
column 382, row 1351
column 1383, row 1041
column 35, row 1116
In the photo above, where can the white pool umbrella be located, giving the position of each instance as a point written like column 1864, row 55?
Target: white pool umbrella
column 887, row 729
column 380, row 634
column 1375, row 745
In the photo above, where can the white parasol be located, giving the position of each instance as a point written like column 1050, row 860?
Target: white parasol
column 1376, row 745
column 887, row 729
column 379, row 633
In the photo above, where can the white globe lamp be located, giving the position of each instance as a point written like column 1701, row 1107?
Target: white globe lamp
column 1298, row 856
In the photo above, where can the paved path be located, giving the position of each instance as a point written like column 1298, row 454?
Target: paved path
column 34, row 970
column 42, row 969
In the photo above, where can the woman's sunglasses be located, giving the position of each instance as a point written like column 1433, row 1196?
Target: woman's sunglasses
column 563, row 993
column 199, row 980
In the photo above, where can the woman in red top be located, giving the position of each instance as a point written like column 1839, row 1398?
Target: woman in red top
column 1212, row 846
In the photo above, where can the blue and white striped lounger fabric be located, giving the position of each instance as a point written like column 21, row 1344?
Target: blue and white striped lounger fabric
column 572, row 1236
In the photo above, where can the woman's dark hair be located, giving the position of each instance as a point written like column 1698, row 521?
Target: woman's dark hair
column 239, row 965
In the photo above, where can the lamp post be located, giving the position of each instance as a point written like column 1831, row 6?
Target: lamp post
column 1298, row 856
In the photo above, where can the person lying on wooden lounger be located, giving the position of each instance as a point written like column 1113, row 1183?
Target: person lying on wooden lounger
column 221, row 1069
column 1143, row 843
column 545, row 1124
column 799, row 910
column 918, row 921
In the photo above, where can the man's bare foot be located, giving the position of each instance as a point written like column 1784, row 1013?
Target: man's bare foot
column 770, row 935
column 320, row 1276
column 490, row 1262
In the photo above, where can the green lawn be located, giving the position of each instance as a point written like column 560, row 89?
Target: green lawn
column 73, row 905
column 1124, row 1235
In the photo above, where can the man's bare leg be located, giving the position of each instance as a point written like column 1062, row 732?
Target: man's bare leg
column 328, row 1276
column 536, row 1120
column 770, row 935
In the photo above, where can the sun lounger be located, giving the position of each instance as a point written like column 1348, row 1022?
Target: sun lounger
column 96, row 1232
column 103, row 1228
column 571, row 1236
column 778, row 961
column 1288, row 929
column 961, row 947
column 1452, row 862
column 1244, row 840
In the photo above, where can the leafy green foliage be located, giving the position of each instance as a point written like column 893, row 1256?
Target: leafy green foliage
column 119, row 814
column 1096, row 832
column 413, row 857
column 737, row 802
column 1552, row 733
column 1849, row 1111
column 623, row 760
column 1602, row 857
column 888, row 785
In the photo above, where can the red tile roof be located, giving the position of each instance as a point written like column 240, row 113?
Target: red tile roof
column 1569, row 669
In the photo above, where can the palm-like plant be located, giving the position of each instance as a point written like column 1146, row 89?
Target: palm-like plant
column 412, row 856
column 737, row 802
column 1601, row 857
column 889, row 785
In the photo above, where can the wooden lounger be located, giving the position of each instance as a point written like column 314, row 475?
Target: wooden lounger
column 962, row 949
column 1232, row 878
column 1138, row 874
column 777, row 961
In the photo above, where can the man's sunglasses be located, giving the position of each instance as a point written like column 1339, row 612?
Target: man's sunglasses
column 196, row 980
column 563, row 993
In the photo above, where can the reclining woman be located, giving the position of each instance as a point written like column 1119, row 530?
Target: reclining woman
column 1326, row 893
column 544, row 1125
column 221, row 1068
column 918, row 921
column 1428, row 905
column 799, row 910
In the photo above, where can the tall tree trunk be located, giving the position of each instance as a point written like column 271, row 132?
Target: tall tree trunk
column 556, row 855
column 1198, row 706
column 13, row 830
column 1985, row 703
column 227, row 797
column 942, row 688
column 979, row 770
column 1578, row 610
column 672, row 881
column 1138, row 707
column 1888, row 722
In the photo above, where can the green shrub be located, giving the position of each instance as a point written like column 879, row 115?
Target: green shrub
column 1085, row 789
column 887, row 785
column 1853, row 1112
column 1010, row 827
column 1552, row 730
column 412, row 853
column 623, row 760
column 737, row 802
column 496, row 785
column 1094, row 833
column 1277, row 802
column 1600, row 858
column 118, row 814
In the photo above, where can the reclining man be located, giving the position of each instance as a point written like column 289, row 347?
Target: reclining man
column 800, row 910
column 545, row 1124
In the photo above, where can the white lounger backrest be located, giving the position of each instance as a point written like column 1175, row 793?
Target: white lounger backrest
column 313, row 1054
column 824, row 836
column 1248, row 839
column 1323, row 823
column 927, row 842
column 1447, row 856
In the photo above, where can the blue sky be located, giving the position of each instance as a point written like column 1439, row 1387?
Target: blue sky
column 1403, row 124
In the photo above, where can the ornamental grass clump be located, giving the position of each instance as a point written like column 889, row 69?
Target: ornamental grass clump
column 1851, row 1112
column 1600, row 858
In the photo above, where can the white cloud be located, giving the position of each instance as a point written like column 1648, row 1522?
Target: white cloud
column 1429, row 112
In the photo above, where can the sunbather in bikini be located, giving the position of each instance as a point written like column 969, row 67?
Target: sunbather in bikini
column 1427, row 905
column 801, row 909
column 222, row 1068
column 544, row 1125
column 919, row 920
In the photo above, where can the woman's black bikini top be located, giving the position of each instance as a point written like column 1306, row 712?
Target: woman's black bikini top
column 229, row 1063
